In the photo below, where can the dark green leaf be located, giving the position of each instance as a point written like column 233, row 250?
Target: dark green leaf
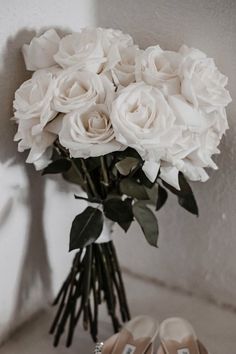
column 142, row 178
column 129, row 152
column 133, row 189
column 73, row 176
column 86, row 228
column 162, row 197
column 118, row 210
column 57, row 166
column 152, row 195
column 157, row 196
column 147, row 222
column 125, row 225
column 187, row 199
column 185, row 195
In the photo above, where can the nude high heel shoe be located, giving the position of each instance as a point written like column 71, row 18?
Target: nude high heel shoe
column 177, row 336
column 137, row 337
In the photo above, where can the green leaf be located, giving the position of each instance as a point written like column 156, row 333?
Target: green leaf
column 118, row 210
column 126, row 225
column 86, row 228
column 129, row 152
column 140, row 175
column 185, row 195
column 187, row 199
column 57, row 166
column 133, row 189
column 157, row 196
column 72, row 176
column 127, row 165
column 152, row 195
column 162, row 197
column 147, row 222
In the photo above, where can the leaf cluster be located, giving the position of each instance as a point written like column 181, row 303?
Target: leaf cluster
column 118, row 197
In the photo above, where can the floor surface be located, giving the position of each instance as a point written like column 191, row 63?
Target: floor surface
column 216, row 327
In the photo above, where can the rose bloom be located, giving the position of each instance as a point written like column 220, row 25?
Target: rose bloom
column 54, row 70
column 40, row 143
column 159, row 68
column 143, row 120
column 33, row 99
column 83, row 49
column 195, row 91
column 40, row 52
column 115, row 37
column 201, row 82
column 74, row 89
column 114, row 42
column 123, row 72
column 199, row 140
column 91, row 49
column 88, row 132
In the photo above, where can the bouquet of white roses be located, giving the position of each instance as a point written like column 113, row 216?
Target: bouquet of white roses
column 126, row 125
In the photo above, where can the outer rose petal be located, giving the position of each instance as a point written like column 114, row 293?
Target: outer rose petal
column 170, row 175
column 39, row 53
column 44, row 160
column 151, row 168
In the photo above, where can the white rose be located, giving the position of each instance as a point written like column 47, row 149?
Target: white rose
column 159, row 68
column 39, row 53
column 202, row 83
column 88, row 132
column 113, row 42
column 33, row 99
column 74, row 89
column 55, row 70
column 40, row 144
column 83, row 49
column 123, row 73
column 115, row 37
column 199, row 140
column 143, row 120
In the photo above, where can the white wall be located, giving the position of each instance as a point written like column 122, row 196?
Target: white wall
column 196, row 254
column 35, row 215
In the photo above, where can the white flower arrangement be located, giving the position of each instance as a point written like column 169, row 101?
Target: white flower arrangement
column 126, row 125
column 168, row 106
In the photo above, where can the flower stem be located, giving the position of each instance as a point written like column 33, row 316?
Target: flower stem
column 104, row 172
column 95, row 275
column 89, row 179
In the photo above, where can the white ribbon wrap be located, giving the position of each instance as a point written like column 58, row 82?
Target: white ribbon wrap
column 106, row 231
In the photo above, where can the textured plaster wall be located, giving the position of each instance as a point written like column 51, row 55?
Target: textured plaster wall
column 195, row 254
column 35, row 213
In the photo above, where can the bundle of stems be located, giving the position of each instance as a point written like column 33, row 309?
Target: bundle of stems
column 95, row 276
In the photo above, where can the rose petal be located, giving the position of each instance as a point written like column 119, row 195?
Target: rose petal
column 170, row 175
column 39, row 53
column 151, row 169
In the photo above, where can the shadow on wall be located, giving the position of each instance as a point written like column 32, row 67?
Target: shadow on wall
column 20, row 184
